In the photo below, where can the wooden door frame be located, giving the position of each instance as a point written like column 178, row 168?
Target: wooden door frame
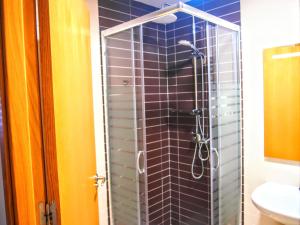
column 4, row 148
column 47, row 101
column 28, row 88
column 24, row 152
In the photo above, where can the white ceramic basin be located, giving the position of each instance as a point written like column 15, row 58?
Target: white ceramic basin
column 278, row 201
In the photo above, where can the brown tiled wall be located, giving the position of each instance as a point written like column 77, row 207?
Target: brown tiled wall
column 156, row 106
column 174, row 197
column 190, row 197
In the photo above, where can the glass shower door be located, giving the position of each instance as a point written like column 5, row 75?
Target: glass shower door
column 124, row 128
column 225, row 125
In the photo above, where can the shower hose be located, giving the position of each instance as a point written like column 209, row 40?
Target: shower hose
column 201, row 146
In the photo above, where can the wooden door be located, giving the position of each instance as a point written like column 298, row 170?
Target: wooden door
column 66, row 83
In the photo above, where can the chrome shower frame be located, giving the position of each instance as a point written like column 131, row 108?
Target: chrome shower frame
column 178, row 7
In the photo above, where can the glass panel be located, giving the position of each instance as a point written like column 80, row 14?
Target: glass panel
column 124, row 116
column 225, row 126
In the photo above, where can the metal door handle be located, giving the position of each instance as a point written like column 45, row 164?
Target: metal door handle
column 218, row 158
column 141, row 171
column 98, row 178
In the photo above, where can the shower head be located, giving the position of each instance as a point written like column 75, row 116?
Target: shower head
column 171, row 18
column 195, row 50
column 186, row 43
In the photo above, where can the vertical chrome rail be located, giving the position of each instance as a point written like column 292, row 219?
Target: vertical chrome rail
column 208, row 44
column 144, row 120
column 135, row 125
column 218, row 107
column 195, row 66
column 238, row 44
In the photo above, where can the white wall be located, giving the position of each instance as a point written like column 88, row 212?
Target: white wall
column 265, row 23
column 98, row 106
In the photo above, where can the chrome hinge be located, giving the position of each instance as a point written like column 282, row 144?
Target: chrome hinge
column 47, row 213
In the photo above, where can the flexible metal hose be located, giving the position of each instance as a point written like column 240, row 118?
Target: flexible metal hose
column 199, row 142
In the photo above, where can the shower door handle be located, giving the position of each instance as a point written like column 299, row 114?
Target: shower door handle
column 141, row 171
column 218, row 158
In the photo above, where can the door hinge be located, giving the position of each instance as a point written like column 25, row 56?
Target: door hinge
column 47, row 213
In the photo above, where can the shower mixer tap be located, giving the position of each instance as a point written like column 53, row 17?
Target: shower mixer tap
column 196, row 112
column 197, row 138
column 200, row 140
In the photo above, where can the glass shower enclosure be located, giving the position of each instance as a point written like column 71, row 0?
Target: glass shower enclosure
column 149, row 94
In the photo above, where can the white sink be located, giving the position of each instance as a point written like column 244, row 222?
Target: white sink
column 278, row 201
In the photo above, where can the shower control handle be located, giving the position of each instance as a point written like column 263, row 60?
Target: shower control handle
column 141, row 171
column 218, row 158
